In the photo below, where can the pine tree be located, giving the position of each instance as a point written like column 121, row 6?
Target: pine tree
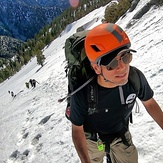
column 40, row 58
column 111, row 13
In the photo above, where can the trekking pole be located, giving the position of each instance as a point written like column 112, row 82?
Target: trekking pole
column 107, row 150
column 78, row 89
column 108, row 159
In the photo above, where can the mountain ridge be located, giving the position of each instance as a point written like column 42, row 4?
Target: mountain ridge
column 22, row 19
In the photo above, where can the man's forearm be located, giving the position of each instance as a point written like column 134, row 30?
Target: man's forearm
column 79, row 140
column 155, row 111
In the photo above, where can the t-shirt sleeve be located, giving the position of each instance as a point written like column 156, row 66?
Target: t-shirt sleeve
column 78, row 108
column 145, row 92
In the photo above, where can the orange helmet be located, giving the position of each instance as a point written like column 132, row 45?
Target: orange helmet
column 104, row 39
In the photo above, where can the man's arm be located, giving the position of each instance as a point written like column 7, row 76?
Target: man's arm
column 154, row 110
column 79, row 140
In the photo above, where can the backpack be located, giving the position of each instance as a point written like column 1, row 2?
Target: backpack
column 80, row 73
column 78, row 69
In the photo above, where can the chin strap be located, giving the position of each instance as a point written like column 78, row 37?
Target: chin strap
column 106, row 80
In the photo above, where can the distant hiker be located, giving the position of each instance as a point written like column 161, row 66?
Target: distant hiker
column 34, row 83
column 12, row 94
column 27, row 84
column 100, row 111
column 31, row 82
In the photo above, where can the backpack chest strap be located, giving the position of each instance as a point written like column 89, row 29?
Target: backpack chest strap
column 121, row 95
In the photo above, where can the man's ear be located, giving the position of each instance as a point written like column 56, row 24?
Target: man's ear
column 96, row 68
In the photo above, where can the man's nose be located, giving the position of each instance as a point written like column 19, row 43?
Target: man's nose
column 121, row 64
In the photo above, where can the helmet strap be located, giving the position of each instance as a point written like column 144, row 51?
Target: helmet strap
column 106, row 80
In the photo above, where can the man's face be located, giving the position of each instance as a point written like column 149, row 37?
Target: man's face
column 119, row 75
column 115, row 72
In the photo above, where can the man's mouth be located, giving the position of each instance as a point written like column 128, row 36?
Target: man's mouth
column 121, row 75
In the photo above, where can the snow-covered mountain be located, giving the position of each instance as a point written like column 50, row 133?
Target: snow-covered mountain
column 59, row 3
column 33, row 125
column 22, row 19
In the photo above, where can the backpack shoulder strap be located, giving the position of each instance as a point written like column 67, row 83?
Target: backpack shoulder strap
column 92, row 98
column 134, row 79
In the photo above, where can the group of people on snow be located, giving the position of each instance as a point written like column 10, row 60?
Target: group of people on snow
column 31, row 82
column 12, row 94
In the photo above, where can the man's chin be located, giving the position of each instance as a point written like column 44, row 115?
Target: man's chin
column 122, row 82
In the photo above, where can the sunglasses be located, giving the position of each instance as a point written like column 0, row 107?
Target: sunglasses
column 125, row 57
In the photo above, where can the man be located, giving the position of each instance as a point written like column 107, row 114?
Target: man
column 31, row 82
column 34, row 83
column 106, row 132
column 27, row 84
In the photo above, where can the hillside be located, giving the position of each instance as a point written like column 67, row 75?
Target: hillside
column 24, row 18
column 33, row 125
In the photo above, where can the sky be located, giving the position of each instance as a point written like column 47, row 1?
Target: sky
column 33, row 127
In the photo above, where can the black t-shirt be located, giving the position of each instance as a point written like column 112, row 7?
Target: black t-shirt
column 111, row 113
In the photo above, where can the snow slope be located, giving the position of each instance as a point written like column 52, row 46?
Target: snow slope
column 33, row 126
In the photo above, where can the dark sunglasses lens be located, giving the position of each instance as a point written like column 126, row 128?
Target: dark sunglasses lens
column 126, row 58
column 112, row 65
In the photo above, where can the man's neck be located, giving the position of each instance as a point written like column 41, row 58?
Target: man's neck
column 103, row 83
